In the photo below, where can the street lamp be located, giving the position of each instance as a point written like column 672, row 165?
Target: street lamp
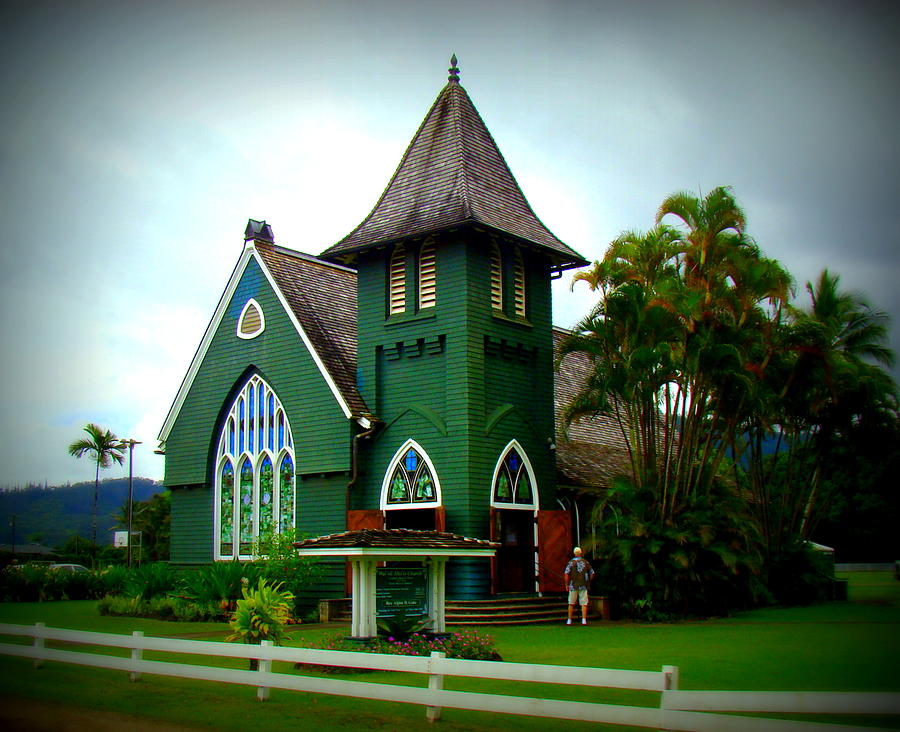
column 130, row 444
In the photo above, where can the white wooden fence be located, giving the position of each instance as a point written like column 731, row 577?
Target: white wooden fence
column 678, row 710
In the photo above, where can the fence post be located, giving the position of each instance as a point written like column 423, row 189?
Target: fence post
column 38, row 644
column 435, row 683
column 671, row 676
column 265, row 665
column 137, row 655
column 670, row 683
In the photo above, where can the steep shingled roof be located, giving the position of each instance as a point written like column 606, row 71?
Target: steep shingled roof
column 451, row 175
column 322, row 296
column 591, row 451
column 395, row 539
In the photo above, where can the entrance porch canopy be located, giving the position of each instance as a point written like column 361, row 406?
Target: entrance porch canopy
column 365, row 548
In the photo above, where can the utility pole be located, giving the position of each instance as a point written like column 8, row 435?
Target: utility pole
column 130, row 444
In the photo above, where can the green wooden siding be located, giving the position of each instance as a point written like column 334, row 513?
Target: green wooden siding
column 321, row 432
column 192, row 525
column 460, row 381
column 321, row 501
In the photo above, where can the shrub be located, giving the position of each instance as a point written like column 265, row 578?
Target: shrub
column 705, row 561
column 119, row 605
column 261, row 614
column 466, row 645
column 218, row 585
column 150, row 580
column 799, row 576
column 113, row 579
column 279, row 562
column 401, row 626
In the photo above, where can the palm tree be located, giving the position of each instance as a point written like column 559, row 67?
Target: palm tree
column 840, row 340
column 104, row 448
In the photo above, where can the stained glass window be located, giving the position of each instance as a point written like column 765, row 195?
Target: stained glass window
column 260, row 418
column 513, row 483
column 286, row 494
column 266, row 496
column 411, row 479
column 226, row 509
column 272, row 422
column 251, row 499
column 245, row 507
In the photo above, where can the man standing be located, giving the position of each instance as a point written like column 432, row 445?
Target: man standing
column 578, row 579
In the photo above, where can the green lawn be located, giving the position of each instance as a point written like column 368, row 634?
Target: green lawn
column 846, row 646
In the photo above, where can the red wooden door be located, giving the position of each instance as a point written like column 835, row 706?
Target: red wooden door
column 554, row 545
column 361, row 519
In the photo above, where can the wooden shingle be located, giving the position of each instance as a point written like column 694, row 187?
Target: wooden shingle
column 452, row 175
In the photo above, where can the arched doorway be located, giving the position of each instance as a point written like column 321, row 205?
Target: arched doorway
column 514, row 507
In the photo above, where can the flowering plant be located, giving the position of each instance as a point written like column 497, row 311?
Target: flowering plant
column 467, row 645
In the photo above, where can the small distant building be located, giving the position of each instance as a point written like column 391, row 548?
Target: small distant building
column 404, row 378
column 28, row 549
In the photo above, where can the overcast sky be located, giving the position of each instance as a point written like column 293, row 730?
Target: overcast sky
column 138, row 138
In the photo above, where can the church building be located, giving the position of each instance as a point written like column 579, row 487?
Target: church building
column 404, row 378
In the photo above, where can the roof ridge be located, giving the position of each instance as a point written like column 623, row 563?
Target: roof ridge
column 462, row 158
column 306, row 256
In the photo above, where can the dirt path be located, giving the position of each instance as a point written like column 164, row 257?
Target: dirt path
column 25, row 715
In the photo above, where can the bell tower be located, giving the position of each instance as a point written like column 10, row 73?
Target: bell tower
column 455, row 349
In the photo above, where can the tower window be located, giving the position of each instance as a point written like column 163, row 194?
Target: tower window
column 519, row 284
column 427, row 276
column 496, row 279
column 397, row 281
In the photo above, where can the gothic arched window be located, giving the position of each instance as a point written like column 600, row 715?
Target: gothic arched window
column 252, row 497
column 410, row 480
column 514, row 484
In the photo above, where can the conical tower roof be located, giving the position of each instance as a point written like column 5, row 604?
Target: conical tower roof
column 452, row 175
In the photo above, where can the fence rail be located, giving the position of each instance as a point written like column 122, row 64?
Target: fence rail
column 678, row 709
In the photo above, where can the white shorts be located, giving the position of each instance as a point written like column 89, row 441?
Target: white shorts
column 578, row 597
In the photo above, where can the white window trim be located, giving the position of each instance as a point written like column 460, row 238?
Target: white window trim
column 385, row 483
column 535, row 494
column 256, row 458
column 262, row 320
column 221, row 308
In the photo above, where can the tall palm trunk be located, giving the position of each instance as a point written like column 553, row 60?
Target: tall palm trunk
column 94, row 514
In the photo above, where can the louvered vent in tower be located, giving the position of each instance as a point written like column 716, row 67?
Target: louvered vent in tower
column 427, row 276
column 496, row 279
column 397, row 281
column 519, row 284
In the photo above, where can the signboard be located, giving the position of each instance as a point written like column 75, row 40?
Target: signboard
column 399, row 589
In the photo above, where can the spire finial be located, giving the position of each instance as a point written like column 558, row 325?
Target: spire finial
column 454, row 70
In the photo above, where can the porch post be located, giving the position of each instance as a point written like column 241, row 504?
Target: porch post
column 437, row 576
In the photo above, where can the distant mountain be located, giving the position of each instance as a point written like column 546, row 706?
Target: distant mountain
column 59, row 512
